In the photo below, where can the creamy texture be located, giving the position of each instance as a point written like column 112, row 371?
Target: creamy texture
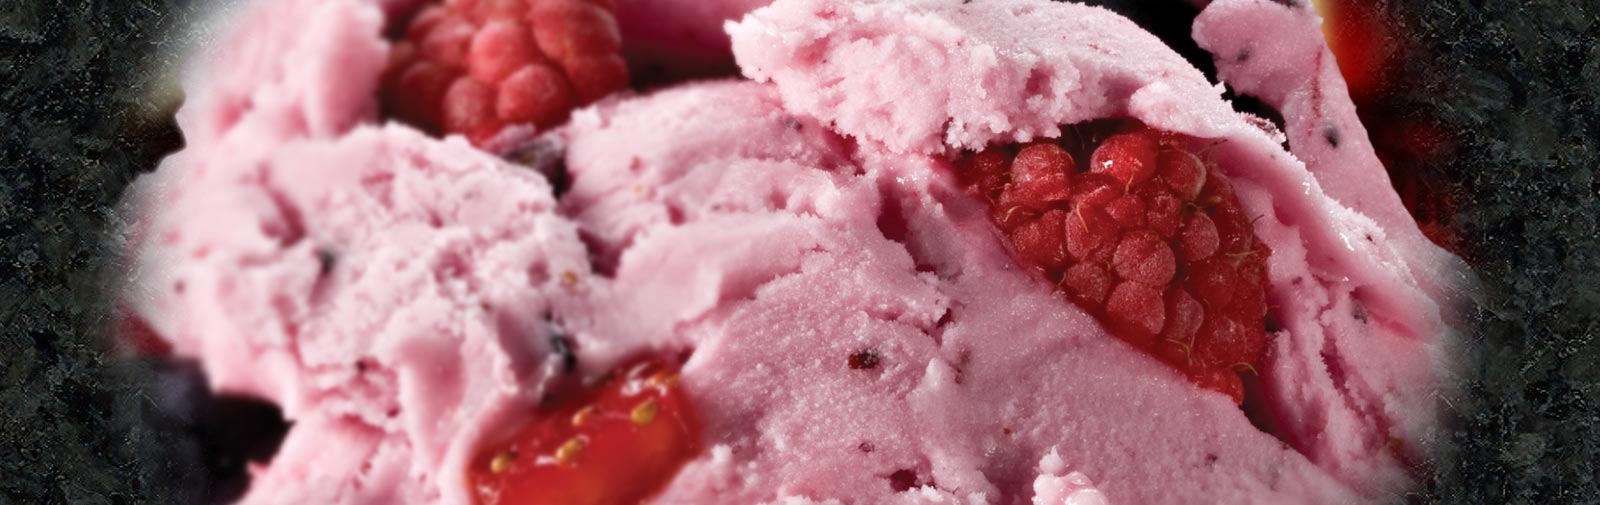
column 1276, row 53
column 396, row 294
column 1352, row 376
column 1055, row 486
column 934, row 75
column 386, row 290
column 777, row 254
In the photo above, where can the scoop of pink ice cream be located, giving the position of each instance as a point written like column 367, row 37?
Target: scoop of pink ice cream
column 386, row 290
column 1355, row 371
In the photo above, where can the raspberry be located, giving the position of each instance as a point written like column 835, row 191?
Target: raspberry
column 1040, row 176
column 988, row 171
column 476, row 67
column 1142, row 256
column 1128, row 157
column 1150, row 239
column 619, row 441
column 1040, row 241
column 1135, row 311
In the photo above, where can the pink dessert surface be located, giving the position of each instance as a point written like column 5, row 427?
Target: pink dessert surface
column 853, row 327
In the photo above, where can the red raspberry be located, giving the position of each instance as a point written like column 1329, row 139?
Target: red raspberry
column 618, row 442
column 475, row 67
column 1041, row 175
column 1151, row 240
column 1129, row 157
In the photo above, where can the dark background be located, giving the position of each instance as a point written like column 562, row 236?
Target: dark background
column 1513, row 83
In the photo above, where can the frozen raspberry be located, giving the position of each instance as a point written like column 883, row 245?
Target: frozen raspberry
column 1041, row 175
column 617, row 442
column 1147, row 236
column 1129, row 157
column 476, row 67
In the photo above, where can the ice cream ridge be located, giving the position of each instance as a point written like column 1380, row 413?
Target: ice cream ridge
column 922, row 251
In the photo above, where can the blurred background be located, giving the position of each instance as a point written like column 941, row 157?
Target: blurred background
column 1484, row 113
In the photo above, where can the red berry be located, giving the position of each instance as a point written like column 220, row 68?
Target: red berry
column 532, row 62
column 568, row 29
column 1090, row 234
column 485, row 10
column 618, row 442
column 534, row 94
column 1087, row 283
column 1213, row 281
column 445, row 42
column 424, row 21
column 1152, row 242
column 418, row 94
column 1198, row 237
column 987, row 171
column 1040, row 177
column 1223, row 342
column 500, row 48
column 1162, row 213
column 1130, row 157
column 1182, row 171
column 1184, row 317
column 1222, row 380
column 1142, row 256
column 1128, row 211
column 1041, row 243
column 595, row 76
column 469, row 108
column 1249, row 298
column 1135, row 310
column 1095, row 191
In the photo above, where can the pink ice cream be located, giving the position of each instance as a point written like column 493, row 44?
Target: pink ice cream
column 397, row 294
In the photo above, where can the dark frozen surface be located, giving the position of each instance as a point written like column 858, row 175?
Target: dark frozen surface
column 1516, row 81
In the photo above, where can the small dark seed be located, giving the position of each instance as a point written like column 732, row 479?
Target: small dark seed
column 1332, row 136
column 327, row 259
column 864, row 360
column 867, row 447
column 561, row 349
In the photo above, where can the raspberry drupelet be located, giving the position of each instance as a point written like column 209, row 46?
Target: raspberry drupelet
column 1144, row 234
column 476, row 67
